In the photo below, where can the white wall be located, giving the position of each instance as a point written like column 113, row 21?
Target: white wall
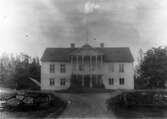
column 128, row 76
column 46, row 75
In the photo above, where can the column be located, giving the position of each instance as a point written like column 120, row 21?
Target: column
column 71, row 59
column 86, row 64
column 90, row 81
column 90, row 71
column 82, row 63
column 82, row 59
column 95, row 81
column 91, row 60
column 90, row 65
column 102, row 59
column 82, row 80
column 96, row 67
column 77, row 64
column 76, row 59
column 71, row 63
column 99, row 58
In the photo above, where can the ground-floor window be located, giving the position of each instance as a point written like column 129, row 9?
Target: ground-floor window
column 51, row 81
column 62, row 82
column 121, row 81
column 111, row 81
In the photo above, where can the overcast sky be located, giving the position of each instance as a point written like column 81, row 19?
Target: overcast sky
column 30, row 26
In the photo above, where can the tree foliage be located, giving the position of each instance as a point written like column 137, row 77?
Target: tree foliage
column 153, row 69
column 15, row 71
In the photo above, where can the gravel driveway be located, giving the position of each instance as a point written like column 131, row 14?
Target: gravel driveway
column 86, row 105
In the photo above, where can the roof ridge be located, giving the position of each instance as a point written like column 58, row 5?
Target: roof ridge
column 112, row 47
column 111, row 54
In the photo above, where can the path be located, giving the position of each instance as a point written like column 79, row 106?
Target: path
column 86, row 105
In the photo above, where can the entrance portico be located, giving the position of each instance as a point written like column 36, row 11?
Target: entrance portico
column 87, row 81
column 86, row 67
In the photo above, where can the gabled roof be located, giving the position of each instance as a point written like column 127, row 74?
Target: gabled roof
column 86, row 50
column 116, row 54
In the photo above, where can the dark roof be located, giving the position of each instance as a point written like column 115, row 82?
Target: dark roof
column 116, row 54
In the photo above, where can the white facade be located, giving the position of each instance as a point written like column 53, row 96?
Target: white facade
column 87, row 67
column 108, row 70
column 57, row 76
column 127, row 74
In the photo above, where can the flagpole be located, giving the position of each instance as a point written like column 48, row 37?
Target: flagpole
column 89, row 8
column 87, row 30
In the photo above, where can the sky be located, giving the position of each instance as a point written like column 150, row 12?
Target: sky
column 30, row 26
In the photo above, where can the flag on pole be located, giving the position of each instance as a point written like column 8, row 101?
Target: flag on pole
column 90, row 6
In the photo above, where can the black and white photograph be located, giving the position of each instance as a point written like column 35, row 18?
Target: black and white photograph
column 90, row 59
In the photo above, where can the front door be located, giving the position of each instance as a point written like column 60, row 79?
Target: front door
column 87, row 81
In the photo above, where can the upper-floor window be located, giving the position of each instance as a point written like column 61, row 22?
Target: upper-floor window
column 121, row 67
column 62, row 68
column 52, row 68
column 111, row 67
column 62, row 82
column 111, row 81
column 121, row 81
column 51, row 81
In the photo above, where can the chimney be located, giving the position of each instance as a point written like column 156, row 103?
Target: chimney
column 72, row 45
column 102, row 45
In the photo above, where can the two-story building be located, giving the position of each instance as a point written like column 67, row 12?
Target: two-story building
column 87, row 67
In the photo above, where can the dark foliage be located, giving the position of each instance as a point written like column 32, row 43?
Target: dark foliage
column 15, row 71
column 153, row 69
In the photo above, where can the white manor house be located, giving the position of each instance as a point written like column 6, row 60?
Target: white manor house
column 87, row 67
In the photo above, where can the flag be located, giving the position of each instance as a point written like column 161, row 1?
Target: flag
column 90, row 7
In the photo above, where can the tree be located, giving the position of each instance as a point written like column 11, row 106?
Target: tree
column 15, row 71
column 34, row 69
column 153, row 69
column 27, row 68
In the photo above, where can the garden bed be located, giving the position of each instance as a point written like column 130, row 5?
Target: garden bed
column 28, row 100
column 140, row 98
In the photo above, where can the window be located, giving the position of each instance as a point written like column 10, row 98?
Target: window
column 52, row 81
column 121, row 81
column 111, row 81
column 52, row 68
column 121, row 67
column 62, row 68
column 111, row 67
column 62, row 82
